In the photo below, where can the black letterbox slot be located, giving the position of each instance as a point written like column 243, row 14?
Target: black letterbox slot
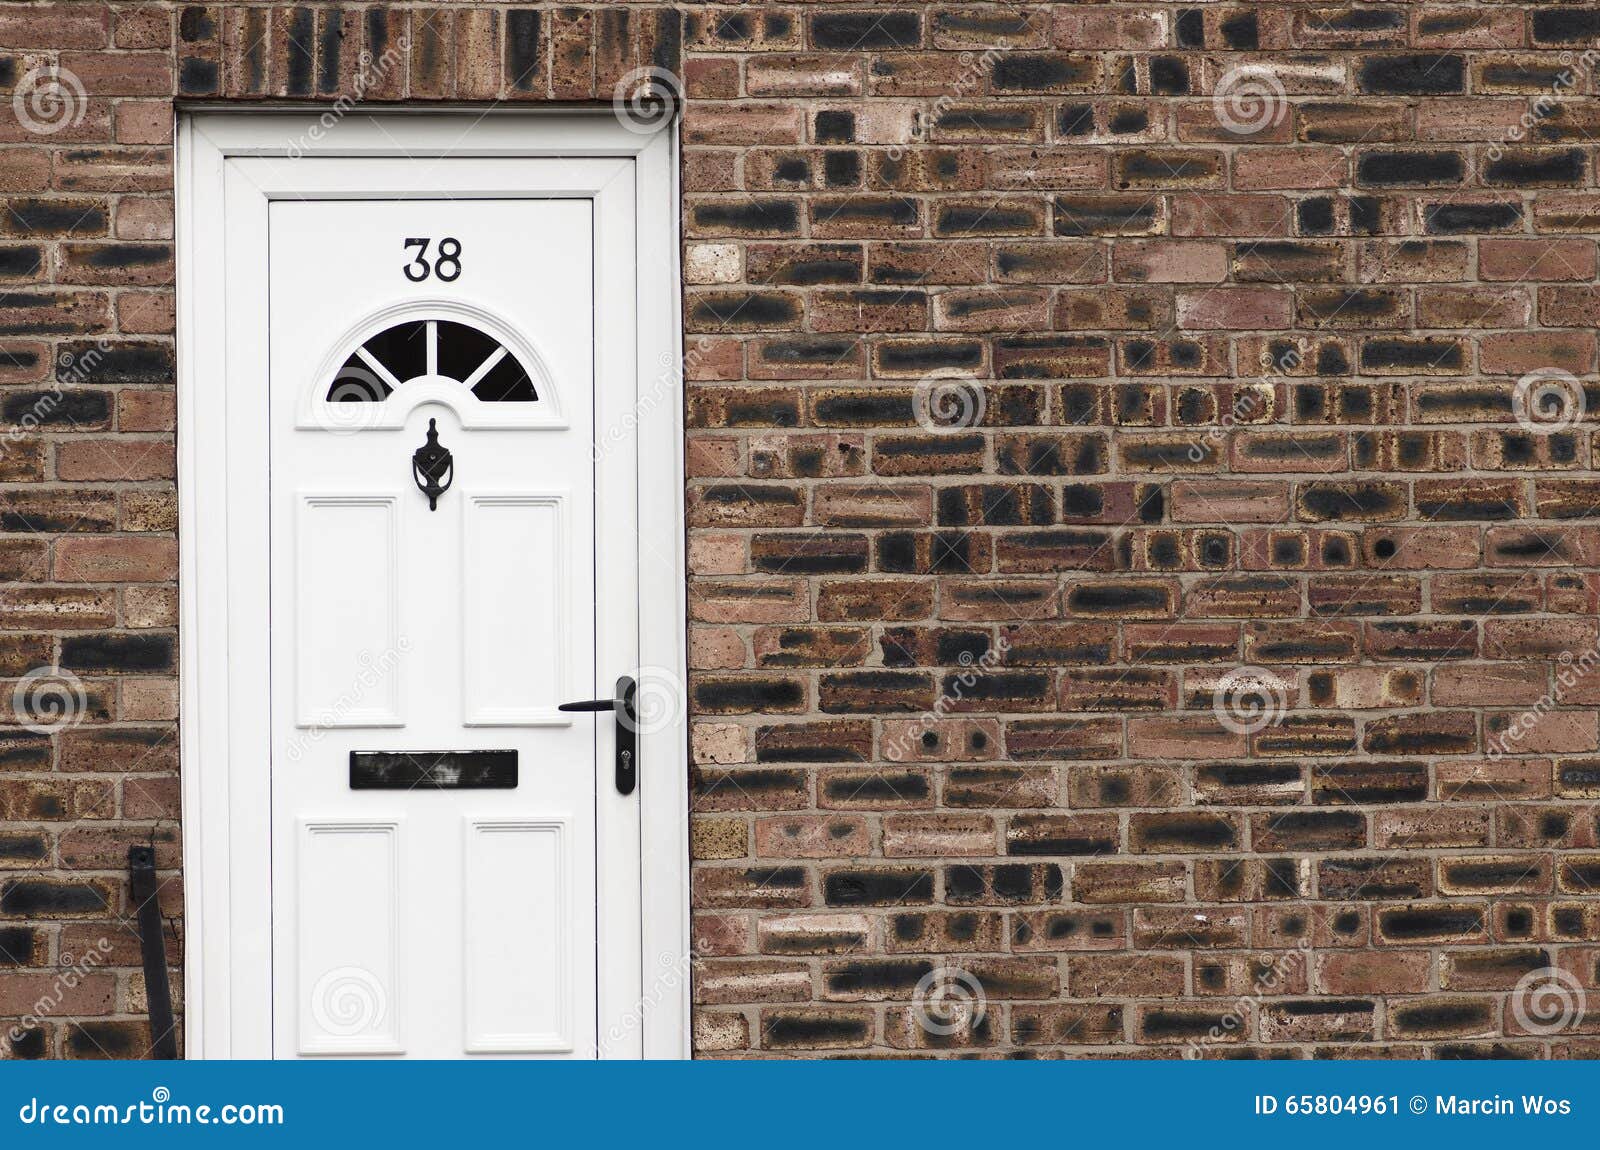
column 432, row 770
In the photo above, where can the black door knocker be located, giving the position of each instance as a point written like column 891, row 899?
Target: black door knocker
column 432, row 467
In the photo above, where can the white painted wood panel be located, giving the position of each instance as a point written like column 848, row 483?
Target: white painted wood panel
column 348, row 958
column 517, row 936
column 347, row 602
column 516, row 636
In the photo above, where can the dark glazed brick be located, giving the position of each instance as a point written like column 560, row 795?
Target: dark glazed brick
column 117, row 363
column 1191, row 28
column 101, row 1040
column 1018, row 72
column 888, row 887
column 48, row 898
column 524, row 63
column 118, row 653
column 1105, row 215
column 198, row 76
column 1564, row 25
column 300, row 50
column 196, row 22
column 1420, row 924
column 19, row 946
column 1417, row 74
column 1565, row 168
column 330, row 44
column 51, row 217
column 749, row 217
column 795, row 1030
column 866, row 31
column 1410, row 169
column 1455, row 219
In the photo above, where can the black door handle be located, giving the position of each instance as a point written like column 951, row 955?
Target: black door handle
column 627, row 729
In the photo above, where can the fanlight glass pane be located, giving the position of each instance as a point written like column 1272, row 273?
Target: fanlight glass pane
column 357, row 383
column 506, row 382
column 463, row 349
column 458, row 351
column 403, row 349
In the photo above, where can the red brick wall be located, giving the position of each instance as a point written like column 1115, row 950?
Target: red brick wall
column 1246, row 297
column 1142, row 552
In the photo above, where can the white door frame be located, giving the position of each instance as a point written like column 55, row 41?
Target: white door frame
column 631, row 177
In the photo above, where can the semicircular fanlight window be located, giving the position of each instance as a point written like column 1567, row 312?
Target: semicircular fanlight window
column 428, row 347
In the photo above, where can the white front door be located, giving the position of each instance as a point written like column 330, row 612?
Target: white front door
column 433, row 601
column 430, row 488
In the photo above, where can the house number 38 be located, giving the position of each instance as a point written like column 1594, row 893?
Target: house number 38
column 446, row 266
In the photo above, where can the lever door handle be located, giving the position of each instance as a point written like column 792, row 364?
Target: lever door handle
column 627, row 722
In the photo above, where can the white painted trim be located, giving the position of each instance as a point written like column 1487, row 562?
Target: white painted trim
column 222, row 482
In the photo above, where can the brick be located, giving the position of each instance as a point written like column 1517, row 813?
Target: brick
column 1431, row 923
column 1180, row 928
column 762, row 601
column 116, row 560
column 800, row 836
column 1064, row 1024
column 1121, row 883
column 1248, row 400
column 938, row 836
column 1537, row 260
column 879, row 789
column 1180, row 832
column 1366, row 972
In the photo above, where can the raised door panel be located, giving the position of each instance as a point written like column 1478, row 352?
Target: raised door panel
column 348, row 938
column 347, row 606
column 515, row 631
column 518, row 938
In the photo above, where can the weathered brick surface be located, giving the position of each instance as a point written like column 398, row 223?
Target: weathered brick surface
column 1228, row 317
column 1047, row 365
